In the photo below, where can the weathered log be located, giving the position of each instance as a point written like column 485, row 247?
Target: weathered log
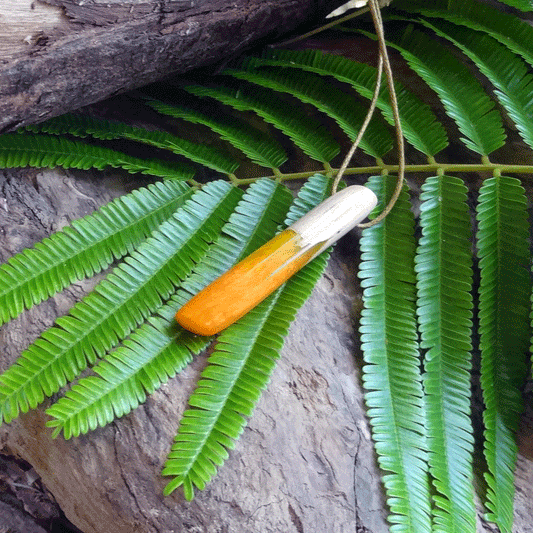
column 59, row 55
column 304, row 463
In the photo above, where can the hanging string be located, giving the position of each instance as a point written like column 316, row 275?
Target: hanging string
column 367, row 120
column 384, row 62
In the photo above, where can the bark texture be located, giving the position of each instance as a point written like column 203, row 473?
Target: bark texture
column 59, row 55
column 304, row 463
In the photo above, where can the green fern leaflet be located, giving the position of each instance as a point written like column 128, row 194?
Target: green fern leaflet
column 444, row 284
column 505, row 332
column 391, row 374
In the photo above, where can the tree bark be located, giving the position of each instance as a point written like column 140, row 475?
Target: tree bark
column 59, row 55
column 304, row 463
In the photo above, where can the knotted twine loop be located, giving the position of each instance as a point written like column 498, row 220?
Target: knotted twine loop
column 383, row 63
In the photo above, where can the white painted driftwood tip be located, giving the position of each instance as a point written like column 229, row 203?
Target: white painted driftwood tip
column 335, row 216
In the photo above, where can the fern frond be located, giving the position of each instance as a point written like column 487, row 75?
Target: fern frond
column 504, row 330
column 419, row 124
column 463, row 97
column 255, row 220
column 152, row 355
column 391, row 374
column 444, row 282
column 84, row 125
column 229, row 388
column 119, row 303
column 316, row 189
column 262, row 149
column 239, row 370
column 86, row 247
column 510, row 30
column 34, row 150
column 305, row 132
column 523, row 5
column 508, row 73
column 75, row 124
column 159, row 349
column 312, row 89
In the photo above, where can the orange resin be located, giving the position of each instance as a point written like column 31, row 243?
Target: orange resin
column 245, row 285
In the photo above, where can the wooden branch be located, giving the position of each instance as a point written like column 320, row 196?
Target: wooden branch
column 59, row 55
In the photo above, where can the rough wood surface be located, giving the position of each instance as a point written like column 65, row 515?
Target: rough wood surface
column 304, row 463
column 59, row 55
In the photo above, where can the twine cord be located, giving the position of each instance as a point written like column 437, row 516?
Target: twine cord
column 384, row 63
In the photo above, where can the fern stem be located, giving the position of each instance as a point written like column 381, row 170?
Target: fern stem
column 429, row 168
column 327, row 26
column 446, row 168
column 233, row 179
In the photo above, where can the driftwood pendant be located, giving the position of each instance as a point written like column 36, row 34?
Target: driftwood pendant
column 250, row 281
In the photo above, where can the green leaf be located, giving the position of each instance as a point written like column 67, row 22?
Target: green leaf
column 508, row 73
column 34, row 150
column 84, row 125
column 262, row 149
column 305, row 132
column 524, row 5
column 444, row 280
column 160, row 348
column 463, row 97
column 420, row 126
column 229, row 388
column 238, row 370
column 118, row 304
column 316, row 189
column 504, row 306
column 313, row 89
column 86, row 247
column 391, row 374
column 154, row 353
column 512, row 32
